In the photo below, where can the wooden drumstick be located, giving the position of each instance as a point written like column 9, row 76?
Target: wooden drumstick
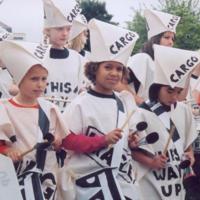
column 57, row 99
column 169, row 138
column 124, row 124
column 46, row 142
column 49, row 139
column 127, row 119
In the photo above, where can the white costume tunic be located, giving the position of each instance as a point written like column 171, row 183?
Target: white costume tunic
column 142, row 66
column 65, row 78
column 5, row 82
column 4, row 122
column 107, row 173
column 167, row 183
column 23, row 134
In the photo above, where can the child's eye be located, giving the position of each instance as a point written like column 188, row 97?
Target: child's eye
column 44, row 78
column 170, row 91
column 59, row 29
column 167, row 37
column 108, row 67
column 34, row 78
column 179, row 91
column 120, row 69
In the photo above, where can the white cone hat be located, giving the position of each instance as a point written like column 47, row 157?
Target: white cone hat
column 78, row 26
column 58, row 13
column 110, row 42
column 173, row 66
column 159, row 22
column 19, row 56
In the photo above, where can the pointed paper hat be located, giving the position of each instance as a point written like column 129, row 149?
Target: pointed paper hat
column 58, row 13
column 78, row 26
column 110, row 42
column 19, row 56
column 142, row 69
column 173, row 66
column 159, row 22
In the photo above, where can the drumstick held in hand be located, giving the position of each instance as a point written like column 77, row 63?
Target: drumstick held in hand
column 169, row 138
column 36, row 146
column 127, row 119
column 49, row 139
column 124, row 124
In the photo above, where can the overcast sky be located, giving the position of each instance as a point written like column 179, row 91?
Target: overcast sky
column 26, row 15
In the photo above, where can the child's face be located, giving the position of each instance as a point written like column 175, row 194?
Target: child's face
column 58, row 36
column 167, row 39
column 108, row 76
column 34, row 83
column 168, row 95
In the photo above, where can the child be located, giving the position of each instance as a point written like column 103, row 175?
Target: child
column 78, row 35
column 31, row 120
column 165, row 115
column 65, row 66
column 161, row 30
column 106, row 171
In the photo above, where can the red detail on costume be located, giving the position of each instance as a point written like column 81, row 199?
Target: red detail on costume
column 82, row 143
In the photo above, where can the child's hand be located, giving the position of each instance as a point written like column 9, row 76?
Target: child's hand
column 133, row 141
column 159, row 162
column 190, row 156
column 113, row 136
column 57, row 143
column 14, row 154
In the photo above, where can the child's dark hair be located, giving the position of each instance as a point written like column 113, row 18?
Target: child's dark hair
column 91, row 70
column 154, row 91
column 148, row 46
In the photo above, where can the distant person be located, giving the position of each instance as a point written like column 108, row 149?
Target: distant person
column 78, row 35
column 65, row 65
column 107, row 172
column 161, row 29
column 173, row 121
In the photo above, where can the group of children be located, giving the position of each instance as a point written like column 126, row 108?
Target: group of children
column 90, row 145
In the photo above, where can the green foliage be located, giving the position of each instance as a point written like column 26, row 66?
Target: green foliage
column 95, row 9
column 188, row 30
column 138, row 25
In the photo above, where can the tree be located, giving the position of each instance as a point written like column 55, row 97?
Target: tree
column 95, row 9
column 188, row 29
column 138, row 25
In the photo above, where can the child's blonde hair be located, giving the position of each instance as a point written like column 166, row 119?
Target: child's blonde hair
column 78, row 43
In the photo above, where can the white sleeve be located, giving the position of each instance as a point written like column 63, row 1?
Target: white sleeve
column 73, row 117
column 6, row 128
